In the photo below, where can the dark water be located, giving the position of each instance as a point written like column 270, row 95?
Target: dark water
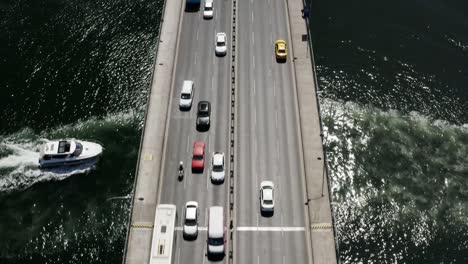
column 393, row 77
column 71, row 69
column 394, row 98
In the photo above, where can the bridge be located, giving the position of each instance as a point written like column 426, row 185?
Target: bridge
column 264, row 118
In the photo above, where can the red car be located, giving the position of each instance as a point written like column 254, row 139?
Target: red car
column 198, row 159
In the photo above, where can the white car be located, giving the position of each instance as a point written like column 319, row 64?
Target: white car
column 267, row 196
column 208, row 10
column 191, row 220
column 186, row 95
column 221, row 40
column 217, row 167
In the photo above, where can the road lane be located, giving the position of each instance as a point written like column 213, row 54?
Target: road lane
column 268, row 139
column 211, row 75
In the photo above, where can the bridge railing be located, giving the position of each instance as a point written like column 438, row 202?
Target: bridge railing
column 129, row 222
column 306, row 12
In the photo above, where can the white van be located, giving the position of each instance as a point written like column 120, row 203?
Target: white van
column 186, row 95
column 216, row 231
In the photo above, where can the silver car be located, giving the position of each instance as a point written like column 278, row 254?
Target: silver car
column 208, row 9
column 217, row 167
column 221, row 41
column 267, row 196
column 186, row 95
column 191, row 220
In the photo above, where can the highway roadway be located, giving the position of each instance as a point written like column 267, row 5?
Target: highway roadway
column 196, row 61
column 267, row 142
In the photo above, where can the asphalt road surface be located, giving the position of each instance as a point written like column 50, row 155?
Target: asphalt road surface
column 196, row 61
column 268, row 141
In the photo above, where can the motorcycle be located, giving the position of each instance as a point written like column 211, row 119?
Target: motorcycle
column 181, row 175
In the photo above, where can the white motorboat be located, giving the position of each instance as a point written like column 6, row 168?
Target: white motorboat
column 68, row 152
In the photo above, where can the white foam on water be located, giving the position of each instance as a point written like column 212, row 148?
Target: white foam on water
column 20, row 170
column 20, row 157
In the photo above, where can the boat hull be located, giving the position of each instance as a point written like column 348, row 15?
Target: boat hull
column 67, row 163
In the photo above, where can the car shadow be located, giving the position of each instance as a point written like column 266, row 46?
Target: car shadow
column 215, row 257
column 217, row 182
column 267, row 213
column 184, row 109
column 190, row 238
column 202, row 128
column 281, row 60
column 194, row 170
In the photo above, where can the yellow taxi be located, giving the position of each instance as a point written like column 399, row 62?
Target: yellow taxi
column 280, row 50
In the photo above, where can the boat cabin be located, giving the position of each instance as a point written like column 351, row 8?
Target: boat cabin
column 61, row 149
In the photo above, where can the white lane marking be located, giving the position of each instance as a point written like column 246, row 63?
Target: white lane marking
column 271, row 228
column 282, row 233
column 284, row 259
column 207, row 179
column 255, row 117
column 253, row 38
column 276, row 119
column 254, row 86
column 200, row 228
column 258, row 259
column 178, row 255
column 188, row 143
column 197, row 32
column 277, row 149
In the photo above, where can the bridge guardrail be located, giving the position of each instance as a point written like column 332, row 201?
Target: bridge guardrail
column 326, row 172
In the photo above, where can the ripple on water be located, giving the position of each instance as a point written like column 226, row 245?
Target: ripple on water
column 399, row 183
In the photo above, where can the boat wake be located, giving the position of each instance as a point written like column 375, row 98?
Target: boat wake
column 19, row 167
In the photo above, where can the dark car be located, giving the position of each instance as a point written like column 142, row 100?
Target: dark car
column 203, row 115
